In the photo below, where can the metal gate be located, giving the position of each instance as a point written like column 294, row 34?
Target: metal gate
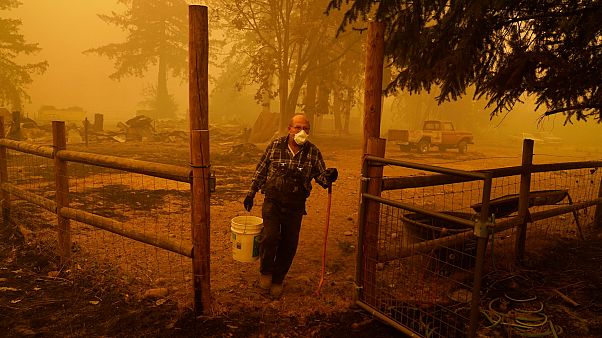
column 421, row 250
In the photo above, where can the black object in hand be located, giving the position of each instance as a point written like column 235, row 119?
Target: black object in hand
column 248, row 203
column 331, row 175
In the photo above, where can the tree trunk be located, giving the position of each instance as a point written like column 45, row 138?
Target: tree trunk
column 283, row 94
column 162, row 106
column 322, row 106
column 293, row 96
column 284, row 68
column 265, row 101
column 337, row 106
column 309, row 101
column 347, row 109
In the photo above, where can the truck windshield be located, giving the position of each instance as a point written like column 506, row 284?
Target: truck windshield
column 431, row 126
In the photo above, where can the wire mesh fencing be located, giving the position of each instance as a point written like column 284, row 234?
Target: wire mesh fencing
column 549, row 190
column 35, row 175
column 421, row 277
column 150, row 206
column 113, row 214
column 419, row 263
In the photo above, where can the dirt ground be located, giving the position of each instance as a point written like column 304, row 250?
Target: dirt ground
column 35, row 303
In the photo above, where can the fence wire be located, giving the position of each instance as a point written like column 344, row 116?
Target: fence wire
column 33, row 174
column 153, row 206
column 571, row 186
column 419, row 270
column 425, row 288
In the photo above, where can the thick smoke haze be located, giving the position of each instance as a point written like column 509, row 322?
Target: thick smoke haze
column 65, row 28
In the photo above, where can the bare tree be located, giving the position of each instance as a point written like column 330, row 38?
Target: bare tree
column 281, row 39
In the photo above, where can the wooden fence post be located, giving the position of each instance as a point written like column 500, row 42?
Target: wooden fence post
column 4, row 177
column 523, row 200
column 61, row 181
column 371, row 220
column 198, row 83
column 200, row 220
column 368, row 221
column 373, row 81
column 198, row 98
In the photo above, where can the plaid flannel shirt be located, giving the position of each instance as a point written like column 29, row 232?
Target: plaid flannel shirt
column 278, row 152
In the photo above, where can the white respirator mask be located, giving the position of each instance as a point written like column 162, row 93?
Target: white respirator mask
column 301, row 137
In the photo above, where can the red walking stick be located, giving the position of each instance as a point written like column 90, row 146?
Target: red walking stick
column 325, row 240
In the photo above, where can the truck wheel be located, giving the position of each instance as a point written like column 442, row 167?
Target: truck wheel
column 423, row 146
column 462, row 147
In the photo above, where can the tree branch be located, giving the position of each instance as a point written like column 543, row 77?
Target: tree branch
column 550, row 15
column 579, row 107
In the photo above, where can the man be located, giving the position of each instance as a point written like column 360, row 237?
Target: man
column 284, row 175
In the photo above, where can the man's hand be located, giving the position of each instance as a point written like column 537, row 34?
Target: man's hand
column 248, row 203
column 331, row 175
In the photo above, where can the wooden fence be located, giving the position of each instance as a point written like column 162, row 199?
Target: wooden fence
column 60, row 206
column 197, row 175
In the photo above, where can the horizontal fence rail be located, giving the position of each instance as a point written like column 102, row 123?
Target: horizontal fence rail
column 394, row 183
column 167, row 171
column 98, row 221
column 420, row 210
column 45, row 203
column 500, row 226
column 540, row 215
column 25, row 147
column 120, row 229
column 442, row 170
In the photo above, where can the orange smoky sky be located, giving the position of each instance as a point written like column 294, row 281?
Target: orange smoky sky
column 63, row 29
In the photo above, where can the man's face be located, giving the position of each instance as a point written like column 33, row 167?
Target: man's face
column 298, row 124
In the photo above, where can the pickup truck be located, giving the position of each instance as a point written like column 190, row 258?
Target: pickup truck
column 434, row 133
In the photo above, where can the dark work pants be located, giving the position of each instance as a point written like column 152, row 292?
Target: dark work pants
column 278, row 245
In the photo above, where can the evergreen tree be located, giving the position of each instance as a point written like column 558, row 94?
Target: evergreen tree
column 157, row 36
column 551, row 49
column 15, row 77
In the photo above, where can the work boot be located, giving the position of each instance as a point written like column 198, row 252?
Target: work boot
column 276, row 291
column 265, row 282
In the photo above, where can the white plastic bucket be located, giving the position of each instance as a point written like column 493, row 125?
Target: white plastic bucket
column 246, row 233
